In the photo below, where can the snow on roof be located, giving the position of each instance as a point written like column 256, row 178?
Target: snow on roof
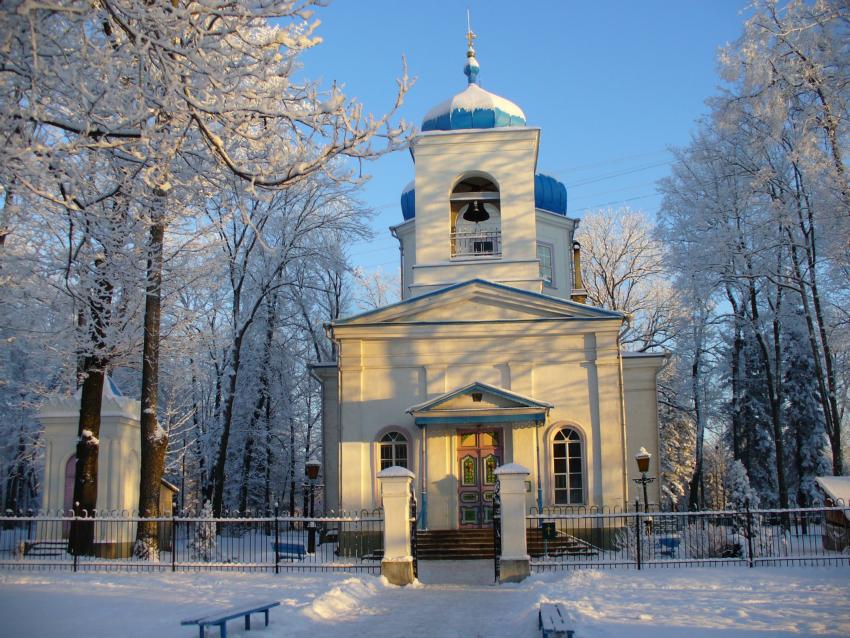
column 836, row 487
column 473, row 108
column 474, row 97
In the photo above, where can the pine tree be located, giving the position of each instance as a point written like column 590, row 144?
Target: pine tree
column 202, row 546
column 739, row 493
column 757, row 446
column 803, row 415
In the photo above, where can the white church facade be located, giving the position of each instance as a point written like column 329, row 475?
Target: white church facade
column 491, row 356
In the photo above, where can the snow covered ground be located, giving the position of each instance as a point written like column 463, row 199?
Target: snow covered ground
column 661, row 603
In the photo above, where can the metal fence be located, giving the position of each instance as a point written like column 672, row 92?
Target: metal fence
column 576, row 538
column 343, row 542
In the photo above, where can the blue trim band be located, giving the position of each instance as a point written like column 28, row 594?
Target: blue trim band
column 491, row 418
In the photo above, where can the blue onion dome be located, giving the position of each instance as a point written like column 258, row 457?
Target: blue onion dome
column 408, row 202
column 549, row 195
column 473, row 107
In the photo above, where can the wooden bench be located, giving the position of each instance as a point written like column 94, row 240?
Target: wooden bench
column 552, row 621
column 290, row 550
column 221, row 617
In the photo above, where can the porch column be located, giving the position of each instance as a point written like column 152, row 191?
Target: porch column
column 423, row 478
column 397, row 564
column 515, row 561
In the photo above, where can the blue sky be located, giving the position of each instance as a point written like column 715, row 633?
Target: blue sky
column 611, row 84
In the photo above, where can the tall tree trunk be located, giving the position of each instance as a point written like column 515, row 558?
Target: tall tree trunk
column 821, row 352
column 81, row 538
column 269, row 457
column 292, row 459
column 247, row 461
column 224, row 442
column 86, row 467
column 153, row 438
column 696, row 491
column 262, row 400
column 737, row 348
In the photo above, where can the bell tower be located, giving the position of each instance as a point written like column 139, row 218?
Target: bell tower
column 474, row 207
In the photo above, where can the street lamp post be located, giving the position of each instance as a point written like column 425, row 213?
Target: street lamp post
column 642, row 458
column 311, row 468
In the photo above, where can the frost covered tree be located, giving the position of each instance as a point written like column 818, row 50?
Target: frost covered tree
column 789, row 95
column 171, row 94
column 756, row 207
column 623, row 270
column 739, row 493
column 677, row 431
column 203, row 544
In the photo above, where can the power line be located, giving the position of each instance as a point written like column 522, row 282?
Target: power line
column 620, row 201
column 613, row 190
column 593, row 180
column 617, row 160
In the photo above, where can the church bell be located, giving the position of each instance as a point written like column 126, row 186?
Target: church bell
column 475, row 212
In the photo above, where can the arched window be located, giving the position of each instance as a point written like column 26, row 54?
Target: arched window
column 567, row 455
column 393, row 449
column 476, row 218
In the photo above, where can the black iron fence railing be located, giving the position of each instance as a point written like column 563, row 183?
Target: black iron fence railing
column 339, row 541
column 475, row 243
column 575, row 538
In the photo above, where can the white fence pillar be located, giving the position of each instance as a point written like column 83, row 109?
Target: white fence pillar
column 397, row 564
column 514, row 565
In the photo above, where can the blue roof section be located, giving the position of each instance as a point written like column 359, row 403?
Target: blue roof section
column 473, row 108
column 457, row 118
column 549, row 194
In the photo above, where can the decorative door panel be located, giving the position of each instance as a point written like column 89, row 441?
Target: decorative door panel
column 479, row 453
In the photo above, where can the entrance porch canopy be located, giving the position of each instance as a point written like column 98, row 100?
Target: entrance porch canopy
column 479, row 402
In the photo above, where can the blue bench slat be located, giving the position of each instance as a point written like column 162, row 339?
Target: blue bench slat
column 552, row 621
column 290, row 549
column 230, row 614
column 221, row 616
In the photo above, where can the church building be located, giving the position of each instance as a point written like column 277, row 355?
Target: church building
column 492, row 355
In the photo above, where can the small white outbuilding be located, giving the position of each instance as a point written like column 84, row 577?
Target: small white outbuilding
column 118, row 467
column 118, row 462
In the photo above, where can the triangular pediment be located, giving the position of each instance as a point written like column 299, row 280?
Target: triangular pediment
column 478, row 396
column 478, row 301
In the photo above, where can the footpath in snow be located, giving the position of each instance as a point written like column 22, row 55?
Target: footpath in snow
column 691, row 602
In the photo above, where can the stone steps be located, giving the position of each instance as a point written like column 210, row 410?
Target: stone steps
column 477, row 544
column 462, row 544
column 563, row 545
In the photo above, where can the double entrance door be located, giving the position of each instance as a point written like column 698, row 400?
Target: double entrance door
column 479, row 453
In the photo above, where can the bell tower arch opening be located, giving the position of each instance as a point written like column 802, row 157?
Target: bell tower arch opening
column 476, row 221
